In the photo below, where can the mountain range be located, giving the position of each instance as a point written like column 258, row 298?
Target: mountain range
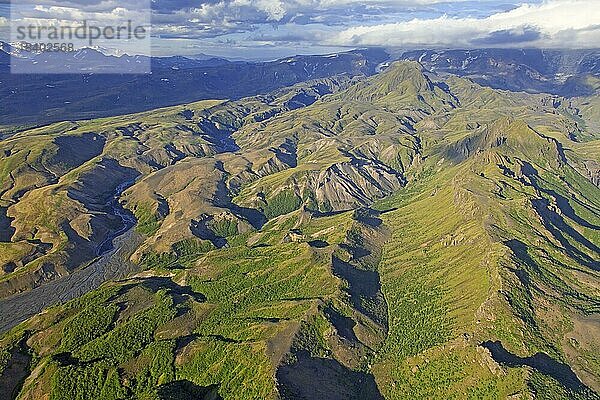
column 28, row 99
column 177, row 80
column 360, row 229
column 560, row 72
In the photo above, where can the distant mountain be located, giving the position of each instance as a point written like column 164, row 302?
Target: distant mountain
column 97, row 61
column 38, row 99
column 178, row 62
column 177, row 80
column 561, row 72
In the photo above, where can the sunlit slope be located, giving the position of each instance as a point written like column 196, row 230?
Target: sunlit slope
column 399, row 238
column 494, row 248
column 58, row 180
column 227, row 321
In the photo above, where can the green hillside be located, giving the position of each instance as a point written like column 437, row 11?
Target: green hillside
column 391, row 237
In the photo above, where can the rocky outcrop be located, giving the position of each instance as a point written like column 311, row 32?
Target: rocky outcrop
column 357, row 183
column 593, row 171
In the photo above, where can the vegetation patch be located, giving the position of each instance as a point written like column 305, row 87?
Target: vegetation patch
column 282, row 203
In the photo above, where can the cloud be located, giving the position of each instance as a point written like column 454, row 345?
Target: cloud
column 554, row 23
column 97, row 6
column 74, row 12
column 213, row 18
column 318, row 24
column 510, row 37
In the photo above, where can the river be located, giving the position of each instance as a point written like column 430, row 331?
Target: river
column 112, row 263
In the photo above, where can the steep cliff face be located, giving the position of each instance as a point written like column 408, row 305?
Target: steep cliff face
column 593, row 171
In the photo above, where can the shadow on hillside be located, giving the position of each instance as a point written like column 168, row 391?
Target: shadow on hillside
column 368, row 217
column 6, row 230
column 540, row 362
column 363, row 287
column 223, row 199
column 555, row 223
column 325, row 379
column 177, row 292
column 557, row 226
column 17, row 369
column 186, row 390
column 318, row 244
column 74, row 151
column 201, row 231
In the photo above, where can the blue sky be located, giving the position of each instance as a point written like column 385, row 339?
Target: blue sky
column 267, row 29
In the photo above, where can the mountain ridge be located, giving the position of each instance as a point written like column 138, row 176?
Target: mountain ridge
column 174, row 80
column 532, row 70
column 401, row 235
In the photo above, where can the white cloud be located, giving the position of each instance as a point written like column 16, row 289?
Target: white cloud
column 570, row 23
column 274, row 9
column 277, row 10
column 352, row 23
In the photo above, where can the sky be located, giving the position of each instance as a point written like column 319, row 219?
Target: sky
column 269, row 29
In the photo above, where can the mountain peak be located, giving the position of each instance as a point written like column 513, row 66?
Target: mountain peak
column 404, row 84
column 398, row 74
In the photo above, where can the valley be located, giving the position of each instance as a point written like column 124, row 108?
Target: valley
column 356, row 236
